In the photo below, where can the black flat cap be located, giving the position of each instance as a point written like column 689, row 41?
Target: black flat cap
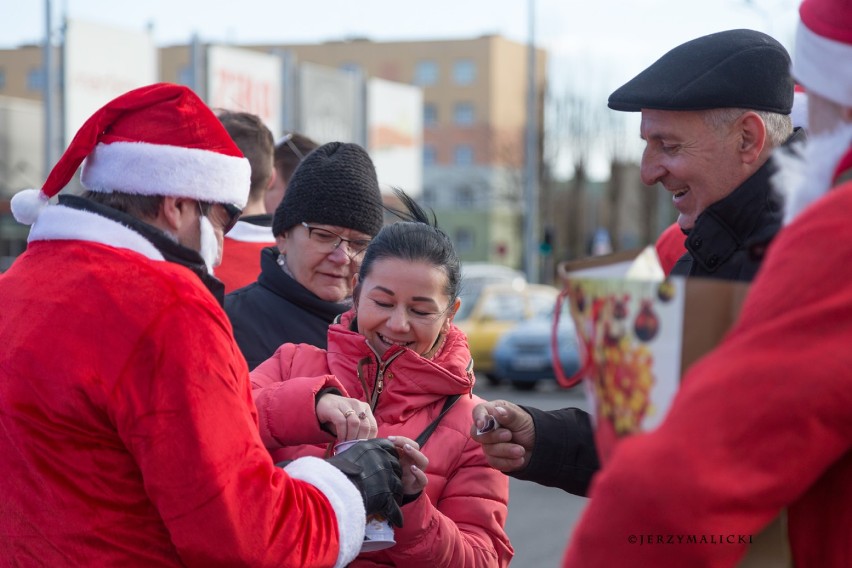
column 730, row 69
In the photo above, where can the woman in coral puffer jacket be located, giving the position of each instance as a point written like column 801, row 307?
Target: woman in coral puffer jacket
column 398, row 355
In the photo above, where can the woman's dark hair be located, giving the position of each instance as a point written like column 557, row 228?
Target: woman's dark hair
column 415, row 238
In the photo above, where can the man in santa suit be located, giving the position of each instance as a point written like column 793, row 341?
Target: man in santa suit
column 127, row 427
column 763, row 423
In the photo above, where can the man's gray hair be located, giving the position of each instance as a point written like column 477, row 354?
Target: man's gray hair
column 779, row 126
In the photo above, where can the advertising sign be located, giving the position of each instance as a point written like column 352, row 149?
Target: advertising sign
column 246, row 81
column 330, row 104
column 395, row 134
column 100, row 63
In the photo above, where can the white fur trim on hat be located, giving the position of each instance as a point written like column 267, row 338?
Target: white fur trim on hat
column 248, row 233
column 344, row 497
column 158, row 169
column 823, row 65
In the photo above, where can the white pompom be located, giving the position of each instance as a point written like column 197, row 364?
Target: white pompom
column 27, row 204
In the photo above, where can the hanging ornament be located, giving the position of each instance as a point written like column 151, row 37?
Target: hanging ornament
column 614, row 332
column 666, row 290
column 647, row 323
column 619, row 310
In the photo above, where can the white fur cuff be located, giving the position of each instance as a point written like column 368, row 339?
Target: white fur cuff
column 344, row 497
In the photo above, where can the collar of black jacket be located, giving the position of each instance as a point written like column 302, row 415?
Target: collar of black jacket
column 171, row 250
column 750, row 216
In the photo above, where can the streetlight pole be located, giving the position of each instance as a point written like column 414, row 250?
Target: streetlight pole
column 531, row 252
column 49, row 92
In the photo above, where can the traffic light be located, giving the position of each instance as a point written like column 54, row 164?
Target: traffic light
column 546, row 246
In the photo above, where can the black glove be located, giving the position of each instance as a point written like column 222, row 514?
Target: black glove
column 373, row 466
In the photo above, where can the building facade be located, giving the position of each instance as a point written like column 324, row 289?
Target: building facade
column 474, row 120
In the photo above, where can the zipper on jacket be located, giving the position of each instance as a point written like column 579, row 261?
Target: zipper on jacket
column 380, row 377
column 469, row 372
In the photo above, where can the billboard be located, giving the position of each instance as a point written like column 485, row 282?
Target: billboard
column 247, row 81
column 21, row 145
column 395, row 134
column 330, row 104
column 100, row 63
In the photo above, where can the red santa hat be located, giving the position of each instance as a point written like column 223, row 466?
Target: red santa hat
column 822, row 59
column 155, row 140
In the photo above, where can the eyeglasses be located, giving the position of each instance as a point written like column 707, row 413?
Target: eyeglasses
column 329, row 241
column 232, row 211
column 288, row 139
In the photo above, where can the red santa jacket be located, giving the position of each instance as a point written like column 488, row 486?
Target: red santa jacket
column 127, row 428
column 458, row 521
column 670, row 247
column 762, row 423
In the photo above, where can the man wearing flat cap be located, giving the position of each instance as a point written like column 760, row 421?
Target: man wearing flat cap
column 713, row 110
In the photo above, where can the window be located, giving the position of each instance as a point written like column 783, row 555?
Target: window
column 430, row 115
column 185, row 76
column 464, row 239
column 35, row 79
column 430, row 154
column 428, row 195
column 464, row 72
column 463, row 114
column 351, row 67
column 463, row 155
column 464, row 197
column 504, row 306
column 426, row 73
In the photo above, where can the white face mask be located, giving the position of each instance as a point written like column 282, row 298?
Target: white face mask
column 209, row 245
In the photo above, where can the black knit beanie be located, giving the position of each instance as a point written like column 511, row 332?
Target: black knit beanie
column 336, row 185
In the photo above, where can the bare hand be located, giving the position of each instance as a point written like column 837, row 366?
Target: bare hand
column 508, row 447
column 413, row 463
column 348, row 418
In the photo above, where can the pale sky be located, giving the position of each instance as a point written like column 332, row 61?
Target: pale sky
column 597, row 43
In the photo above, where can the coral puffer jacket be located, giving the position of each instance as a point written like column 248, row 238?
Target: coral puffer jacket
column 458, row 521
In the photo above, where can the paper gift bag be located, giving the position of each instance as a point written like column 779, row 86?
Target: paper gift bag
column 632, row 327
column 639, row 334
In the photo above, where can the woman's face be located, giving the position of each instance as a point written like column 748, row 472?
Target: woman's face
column 404, row 303
column 317, row 264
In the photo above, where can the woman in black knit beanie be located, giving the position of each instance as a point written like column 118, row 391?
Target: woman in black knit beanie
column 329, row 214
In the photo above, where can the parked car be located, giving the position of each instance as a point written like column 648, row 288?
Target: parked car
column 523, row 355
column 476, row 275
column 493, row 310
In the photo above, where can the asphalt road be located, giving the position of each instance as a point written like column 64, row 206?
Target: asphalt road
column 540, row 518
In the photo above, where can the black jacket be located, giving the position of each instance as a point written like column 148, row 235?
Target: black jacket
column 276, row 309
column 564, row 455
column 730, row 237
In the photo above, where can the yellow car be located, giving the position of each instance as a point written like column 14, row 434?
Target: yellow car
column 493, row 309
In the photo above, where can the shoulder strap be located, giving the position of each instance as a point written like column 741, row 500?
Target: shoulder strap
column 421, row 439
